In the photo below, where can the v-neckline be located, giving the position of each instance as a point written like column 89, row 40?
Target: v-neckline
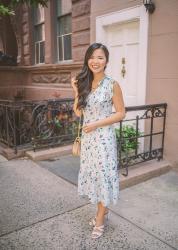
column 91, row 92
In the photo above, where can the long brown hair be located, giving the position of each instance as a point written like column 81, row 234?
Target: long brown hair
column 85, row 77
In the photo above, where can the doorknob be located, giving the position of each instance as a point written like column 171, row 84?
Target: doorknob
column 123, row 71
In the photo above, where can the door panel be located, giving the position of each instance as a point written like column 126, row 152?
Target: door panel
column 123, row 42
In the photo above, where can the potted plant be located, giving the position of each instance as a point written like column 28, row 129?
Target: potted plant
column 129, row 135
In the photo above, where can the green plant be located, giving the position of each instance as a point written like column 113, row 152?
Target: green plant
column 8, row 7
column 57, row 122
column 6, row 10
column 128, row 135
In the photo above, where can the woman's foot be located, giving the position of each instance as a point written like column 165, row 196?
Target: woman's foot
column 97, row 232
column 92, row 222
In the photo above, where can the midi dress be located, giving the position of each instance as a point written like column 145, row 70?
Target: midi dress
column 98, row 177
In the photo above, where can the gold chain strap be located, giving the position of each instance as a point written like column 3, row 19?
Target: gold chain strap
column 79, row 126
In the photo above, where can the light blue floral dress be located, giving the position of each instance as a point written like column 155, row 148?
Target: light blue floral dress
column 98, row 175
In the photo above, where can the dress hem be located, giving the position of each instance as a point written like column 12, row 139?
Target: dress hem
column 94, row 201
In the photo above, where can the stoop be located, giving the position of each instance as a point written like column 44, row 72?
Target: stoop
column 137, row 173
column 143, row 172
column 46, row 154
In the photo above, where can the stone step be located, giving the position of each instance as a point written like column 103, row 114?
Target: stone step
column 137, row 173
column 2, row 159
column 143, row 172
column 49, row 153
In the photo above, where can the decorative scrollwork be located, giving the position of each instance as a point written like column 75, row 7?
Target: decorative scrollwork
column 158, row 112
column 52, row 122
column 147, row 114
column 153, row 113
column 51, row 78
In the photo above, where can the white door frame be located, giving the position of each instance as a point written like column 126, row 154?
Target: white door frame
column 136, row 13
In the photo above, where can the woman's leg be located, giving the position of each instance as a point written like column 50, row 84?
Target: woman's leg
column 98, row 229
column 102, row 210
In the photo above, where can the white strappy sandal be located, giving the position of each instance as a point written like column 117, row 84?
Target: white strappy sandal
column 97, row 232
column 92, row 222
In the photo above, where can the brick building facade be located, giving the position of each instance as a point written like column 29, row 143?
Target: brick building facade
column 143, row 44
column 52, row 77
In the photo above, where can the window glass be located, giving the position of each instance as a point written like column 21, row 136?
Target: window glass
column 60, row 48
column 36, row 52
column 67, row 47
column 39, row 32
column 42, row 52
column 64, row 25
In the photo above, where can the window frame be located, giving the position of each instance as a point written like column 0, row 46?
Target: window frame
column 39, row 53
column 62, row 36
column 37, row 43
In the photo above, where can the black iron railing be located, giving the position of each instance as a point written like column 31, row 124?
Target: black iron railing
column 37, row 124
column 26, row 124
column 141, row 134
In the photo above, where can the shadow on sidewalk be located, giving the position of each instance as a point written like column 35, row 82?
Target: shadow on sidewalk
column 66, row 167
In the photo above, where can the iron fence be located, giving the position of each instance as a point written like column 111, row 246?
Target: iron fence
column 47, row 123
column 37, row 124
column 141, row 134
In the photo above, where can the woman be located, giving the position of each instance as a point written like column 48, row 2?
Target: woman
column 95, row 94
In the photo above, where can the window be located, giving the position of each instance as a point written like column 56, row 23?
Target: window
column 64, row 30
column 39, row 34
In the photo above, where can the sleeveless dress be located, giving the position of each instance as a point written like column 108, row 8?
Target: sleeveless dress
column 98, row 175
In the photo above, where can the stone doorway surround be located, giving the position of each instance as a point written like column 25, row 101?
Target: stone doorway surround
column 126, row 15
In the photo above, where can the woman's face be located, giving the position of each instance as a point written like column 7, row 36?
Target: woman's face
column 97, row 61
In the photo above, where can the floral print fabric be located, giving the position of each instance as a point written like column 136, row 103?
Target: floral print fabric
column 98, row 175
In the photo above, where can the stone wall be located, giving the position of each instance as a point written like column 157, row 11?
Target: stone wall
column 26, row 36
column 38, row 83
column 162, row 83
column 80, row 28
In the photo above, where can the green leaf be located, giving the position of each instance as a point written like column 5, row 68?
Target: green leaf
column 128, row 134
column 8, row 9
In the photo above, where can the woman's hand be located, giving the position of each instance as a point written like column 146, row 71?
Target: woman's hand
column 74, row 86
column 89, row 127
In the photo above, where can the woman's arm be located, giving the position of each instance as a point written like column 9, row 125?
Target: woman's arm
column 76, row 111
column 116, row 117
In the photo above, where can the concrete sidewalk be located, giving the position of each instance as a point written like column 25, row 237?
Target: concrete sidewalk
column 41, row 211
